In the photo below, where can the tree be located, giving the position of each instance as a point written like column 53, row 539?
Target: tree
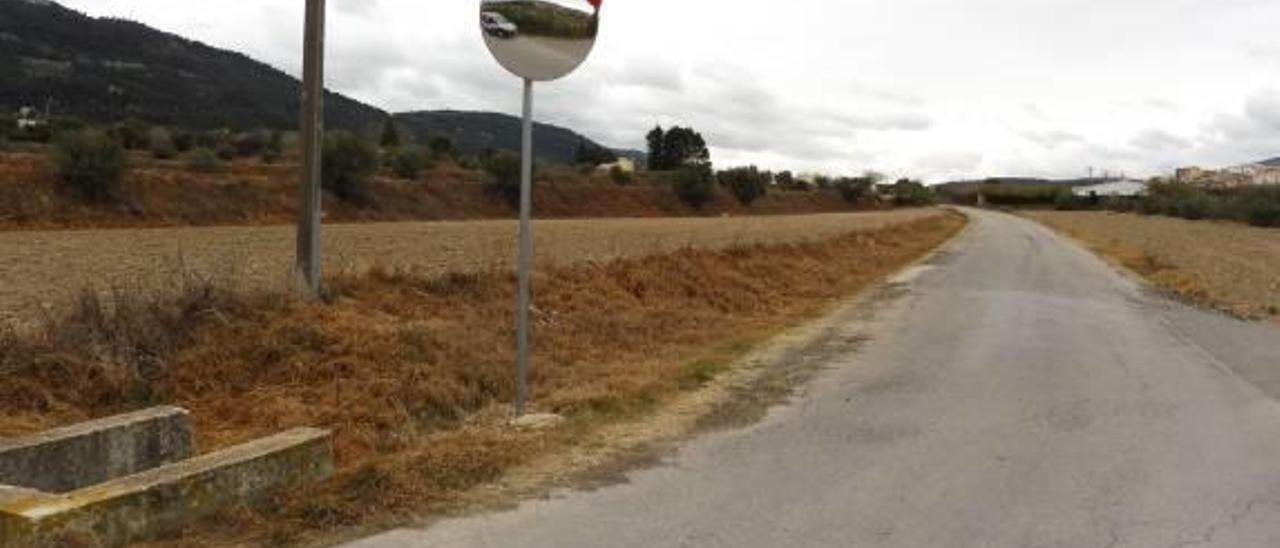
column 390, row 135
column 675, row 148
column 654, row 140
column 747, row 184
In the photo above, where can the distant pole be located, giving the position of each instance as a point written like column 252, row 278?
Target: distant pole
column 312, row 121
column 525, row 254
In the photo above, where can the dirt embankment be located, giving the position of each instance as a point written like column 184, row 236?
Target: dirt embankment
column 412, row 371
column 45, row 269
column 1230, row 266
column 247, row 192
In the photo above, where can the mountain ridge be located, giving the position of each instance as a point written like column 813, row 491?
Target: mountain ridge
column 106, row 69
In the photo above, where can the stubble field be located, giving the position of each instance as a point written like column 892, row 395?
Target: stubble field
column 1226, row 265
column 43, row 270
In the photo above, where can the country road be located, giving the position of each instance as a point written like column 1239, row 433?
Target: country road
column 1018, row 393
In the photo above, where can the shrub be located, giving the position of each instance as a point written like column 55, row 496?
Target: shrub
column 1259, row 205
column 441, row 146
column 160, row 142
column 203, row 160
column 747, row 184
column 1066, row 200
column 407, row 162
column 502, row 176
column 183, row 140
column 908, row 193
column 695, row 185
column 274, row 149
column 90, row 163
column 346, row 163
column 251, row 143
column 620, row 177
column 854, row 189
column 134, row 134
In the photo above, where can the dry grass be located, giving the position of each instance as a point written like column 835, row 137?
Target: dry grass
column 412, row 371
column 1229, row 266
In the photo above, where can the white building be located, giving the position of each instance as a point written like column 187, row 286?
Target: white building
column 29, row 118
column 1125, row 189
column 626, row 165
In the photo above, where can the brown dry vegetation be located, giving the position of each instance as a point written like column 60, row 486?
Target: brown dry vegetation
column 166, row 193
column 1229, row 266
column 411, row 371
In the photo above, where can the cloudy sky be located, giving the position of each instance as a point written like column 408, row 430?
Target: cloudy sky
column 938, row 89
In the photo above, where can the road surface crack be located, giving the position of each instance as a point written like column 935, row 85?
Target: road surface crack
column 1230, row 521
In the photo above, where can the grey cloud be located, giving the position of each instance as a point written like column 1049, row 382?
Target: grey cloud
column 1157, row 140
column 1051, row 139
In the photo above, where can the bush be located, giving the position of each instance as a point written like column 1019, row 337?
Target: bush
column 203, row 160
column 1066, row 200
column 160, row 142
column 346, row 163
column 502, row 176
column 134, row 134
column 695, row 185
column 183, row 141
column 90, row 163
column 1194, row 207
column 251, row 143
column 407, row 162
column 854, row 189
column 747, row 184
column 1256, row 205
column 441, row 146
column 620, row 177
column 274, row 149
column 908, row 193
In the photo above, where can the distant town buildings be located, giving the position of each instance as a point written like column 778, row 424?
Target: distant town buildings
column 1248, row 174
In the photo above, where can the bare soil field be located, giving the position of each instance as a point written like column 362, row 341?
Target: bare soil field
column 42, row 269
column 1230, row 266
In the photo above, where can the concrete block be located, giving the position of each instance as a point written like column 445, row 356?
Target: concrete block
column 89, row 453
column 161, row 500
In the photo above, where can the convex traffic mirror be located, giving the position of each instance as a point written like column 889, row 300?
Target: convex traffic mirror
column 540, row 40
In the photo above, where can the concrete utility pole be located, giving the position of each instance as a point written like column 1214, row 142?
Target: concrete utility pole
column 524, row 257
column 312, row 122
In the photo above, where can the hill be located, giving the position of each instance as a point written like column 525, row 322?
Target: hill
column 473, row 132
column 1274, row 162
column 108, row 69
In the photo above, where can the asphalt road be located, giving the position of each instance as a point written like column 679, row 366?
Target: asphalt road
column 1020, row 393
column 539, row 57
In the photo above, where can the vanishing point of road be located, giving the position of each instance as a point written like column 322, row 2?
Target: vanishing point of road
column 1019, row 393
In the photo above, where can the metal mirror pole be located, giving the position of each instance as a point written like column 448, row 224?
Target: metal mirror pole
column 312, row 121
column 525, row 253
